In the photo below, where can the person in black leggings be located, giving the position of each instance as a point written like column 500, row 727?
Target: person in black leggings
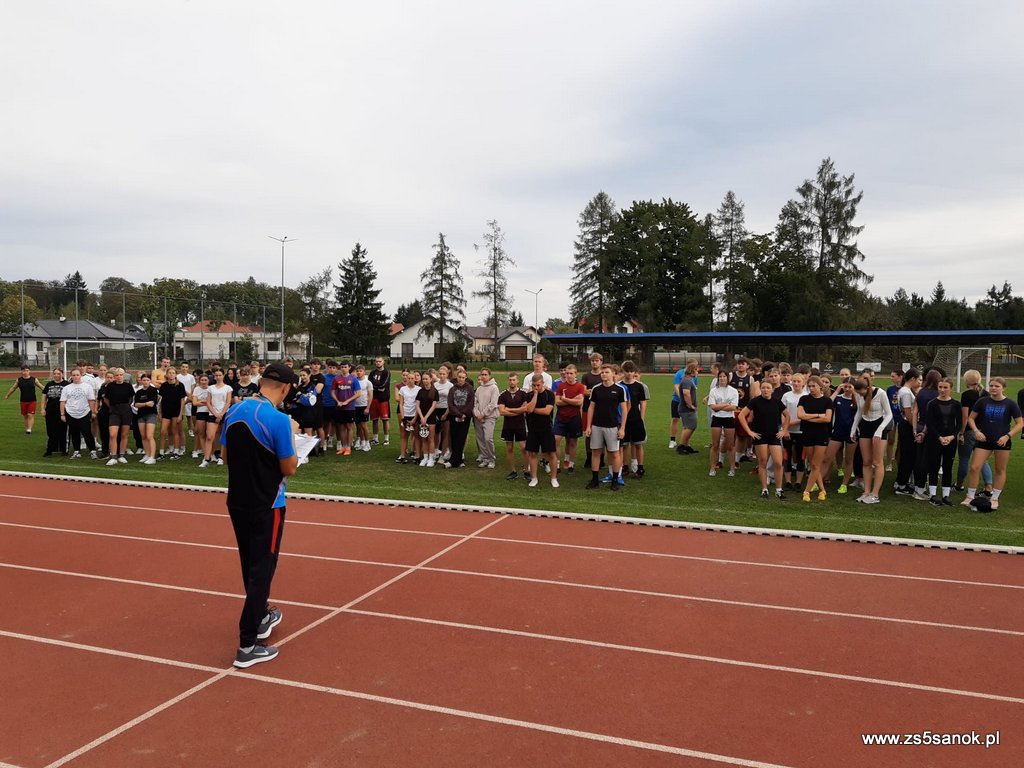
column 56, row 430
column 942, row 423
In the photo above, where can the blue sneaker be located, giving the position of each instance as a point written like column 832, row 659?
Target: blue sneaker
column 607, row 478
column 621, row 480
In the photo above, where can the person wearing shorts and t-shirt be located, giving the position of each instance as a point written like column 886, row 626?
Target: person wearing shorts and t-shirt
column 569, row 397
column 606, row 418
column 407, row 404
column 345, row 396
column 380, row 405
column 765, row 419
column 512, row 407
column 26, row 384
column 540, row 437
column 362, row 409
column 118, row 397
column 814, row 410
column 995, row 421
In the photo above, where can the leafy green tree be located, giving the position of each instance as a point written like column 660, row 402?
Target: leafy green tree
column 360, row 325
column 443, row 300
column 590, row 268
column 495, row 291
column 11, row 308
column 657, row 274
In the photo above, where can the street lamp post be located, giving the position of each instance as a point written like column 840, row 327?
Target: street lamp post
column 536, row 317
column 282, row 241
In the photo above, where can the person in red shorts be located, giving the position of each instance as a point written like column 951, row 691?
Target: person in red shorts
column 380, row 405
column 26, row 384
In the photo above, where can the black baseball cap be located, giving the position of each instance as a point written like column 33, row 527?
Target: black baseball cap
column 280, row 372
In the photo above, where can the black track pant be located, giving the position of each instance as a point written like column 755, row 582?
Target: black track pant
column 460, row 431
column 81, row 429
column 908, row 453
column 258, row 533
column 56, row 432
column 938, row 454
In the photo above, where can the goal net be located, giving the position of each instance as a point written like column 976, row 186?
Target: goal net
column 131, row 355
column 955, row 361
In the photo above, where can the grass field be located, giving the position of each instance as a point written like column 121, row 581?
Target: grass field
column 676, row 487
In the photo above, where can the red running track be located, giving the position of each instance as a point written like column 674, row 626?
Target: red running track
column 421, row 637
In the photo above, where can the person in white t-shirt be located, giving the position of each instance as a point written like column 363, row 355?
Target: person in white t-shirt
column 540, row 365
column 443, row 385
column 724, row 403
column 77, row 408
column 407, row 402
column 792, row 441
column 218, row 403
column 362, row 414
column 186, row 377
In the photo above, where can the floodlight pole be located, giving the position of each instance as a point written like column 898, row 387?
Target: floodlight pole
column 536, row 317
column 282, row 241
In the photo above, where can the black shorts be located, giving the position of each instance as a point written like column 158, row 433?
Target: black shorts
column 362, row 415
column 317, row 417
column 773, row 440
column 440, row 413
column 841, row 435
column 675, row 409
column 635, row 432
column 346, row 416
column 723, row 422
column 513, row 435
column 204, row 416
column 814, row 441
column 120, row 415
column 570, row 429
column 985, row 445
column 540, row 442
column 867, row 429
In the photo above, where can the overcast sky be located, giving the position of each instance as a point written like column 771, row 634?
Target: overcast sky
column 146, row 140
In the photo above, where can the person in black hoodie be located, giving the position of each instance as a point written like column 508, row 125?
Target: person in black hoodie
column 460, row 416
column 56, row 430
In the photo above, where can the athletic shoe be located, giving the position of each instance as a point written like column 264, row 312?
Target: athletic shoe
column 140, row 451
column 984, row 494
column 191, row 434
column 401, row 460
column 614, row 486
column 175, row 456
column 821, row 495
column 92, row 454
column 806, row 496
column 554, row 482
column 112, row 462
column 607, row 478
column 592, row 484
column 904, row 490
column 919, row 496
column 671, row 443
column 430, row 461
column 764, row 493
column 620, row 480
column 571, row 469
column 366, row 447
column 258, row 654
column 712, row 473
column 732, row 473
column 565, row 465
column 946, row 502
column 423, row 461
column 526, row 476
column 195, row 454
column 340, row 451
column 780, row 494
column 856, row 483
column 490, row 465
column 446, row 456
column 744, row 457
column 511, row 475
column 271, row 620
column 532, row 483
column 386, row 441
column 76, row 455
column 639, row 473
column 958, row 488
column 122, row 460
column 842, row 490
column 220, row 462
column 204, row 464
column 935, row 501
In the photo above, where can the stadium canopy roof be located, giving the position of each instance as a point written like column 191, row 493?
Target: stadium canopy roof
column 739, row 338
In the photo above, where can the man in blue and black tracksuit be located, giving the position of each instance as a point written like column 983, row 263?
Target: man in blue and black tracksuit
column 258, row 445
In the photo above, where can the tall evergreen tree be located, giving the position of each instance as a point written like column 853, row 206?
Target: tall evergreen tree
column 409, row 314
column 590, row 271
column 360, row 325
column 443, row 300
column 495, row 291
column 828, row 206
column 731, row 232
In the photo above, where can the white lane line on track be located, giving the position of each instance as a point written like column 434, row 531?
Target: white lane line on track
column 553, row 582
column 230, row 670
column 693, row 656
column 584, row 547
column 559, row 515
column 359, row 695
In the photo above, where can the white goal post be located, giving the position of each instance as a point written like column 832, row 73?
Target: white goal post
column 131, row 355
column 956, row 360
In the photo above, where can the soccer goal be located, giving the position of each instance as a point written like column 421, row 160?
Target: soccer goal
column 131, row 355
column 955, row 360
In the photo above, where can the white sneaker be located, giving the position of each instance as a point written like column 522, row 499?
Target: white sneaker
column 871, row 500
column 204, row 464
column 191, row 433
column 195, row 454
column 122, row 460
column 490, row 465
column 919, row 496
column 220, row 462
column 112, row 462
column 148, row 460
column 76, row 455
column 554, row 482
column 712, row 473
column 92, row 454
column 671, row 443
column 430, row 461
column 533, row 482
column 446, row 456
column 423, row 461
column 140, row 451
column 386, row 441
